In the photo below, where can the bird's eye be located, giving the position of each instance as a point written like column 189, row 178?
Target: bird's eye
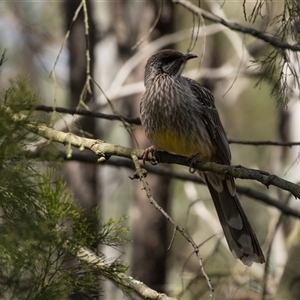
column 167, row 61
column 162, row 69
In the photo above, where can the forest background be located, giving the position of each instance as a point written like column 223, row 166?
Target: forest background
column 78, row 216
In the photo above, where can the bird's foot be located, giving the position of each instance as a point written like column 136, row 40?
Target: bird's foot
column 152, row 158
column 193, row 160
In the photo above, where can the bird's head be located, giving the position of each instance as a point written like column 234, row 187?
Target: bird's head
column 169, row 62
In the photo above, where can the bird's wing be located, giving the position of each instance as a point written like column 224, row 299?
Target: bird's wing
column 212, row 121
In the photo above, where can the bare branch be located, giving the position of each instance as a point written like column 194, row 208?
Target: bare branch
column 84, row 112
column 264, row 143
column 105, row 150
column 268, row 38
column 126, row 163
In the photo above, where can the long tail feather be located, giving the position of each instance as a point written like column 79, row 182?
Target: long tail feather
column 239, row 234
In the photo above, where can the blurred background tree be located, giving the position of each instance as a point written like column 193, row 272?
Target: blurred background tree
column 255, row 83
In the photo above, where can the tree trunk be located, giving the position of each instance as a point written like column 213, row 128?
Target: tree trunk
column 81, row 177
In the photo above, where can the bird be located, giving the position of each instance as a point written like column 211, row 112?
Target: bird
column 179, row 116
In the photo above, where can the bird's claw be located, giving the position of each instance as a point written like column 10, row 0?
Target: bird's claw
column 152, row 158
column 193, row 160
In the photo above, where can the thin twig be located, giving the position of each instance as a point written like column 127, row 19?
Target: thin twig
column 280, row 219
column 264, row 143
column 115, row 111
column 66, row 36
column 151, row 28
column 172, row 239
column 87, row 85
column 139, row 173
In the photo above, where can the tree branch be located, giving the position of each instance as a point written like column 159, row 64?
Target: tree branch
column 84, row 112
column 89, row 257
column 121, row 162
column 268, row 38
column 239, row 171
column 137, row 121
column 105, row 150
column 264, row 143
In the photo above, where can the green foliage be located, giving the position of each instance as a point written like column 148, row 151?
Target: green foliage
column 279, row 66
column 40, row 226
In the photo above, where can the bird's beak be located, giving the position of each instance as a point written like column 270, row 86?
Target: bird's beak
column 190, row 56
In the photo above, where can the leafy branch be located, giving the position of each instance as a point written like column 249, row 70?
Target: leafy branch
column 38, row 215
column 281, row 62
column 87, row 256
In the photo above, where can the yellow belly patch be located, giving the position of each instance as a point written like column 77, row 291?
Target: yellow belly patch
column 176, row 143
